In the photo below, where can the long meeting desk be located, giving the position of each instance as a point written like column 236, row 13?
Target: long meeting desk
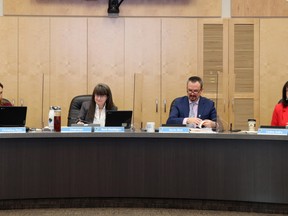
column 224, row 166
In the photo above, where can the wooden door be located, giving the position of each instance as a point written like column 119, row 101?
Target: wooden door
column 243, row 72
column 213, row 64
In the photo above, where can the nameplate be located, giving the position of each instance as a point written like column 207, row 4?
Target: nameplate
column 109, row 129
column 76, row 129
column 272, row 131
column 12, row 129
column 173, row 130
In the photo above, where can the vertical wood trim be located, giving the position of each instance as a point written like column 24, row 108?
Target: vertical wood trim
column 257, row 71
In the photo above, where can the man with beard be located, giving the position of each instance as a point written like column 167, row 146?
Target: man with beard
column 193, row 109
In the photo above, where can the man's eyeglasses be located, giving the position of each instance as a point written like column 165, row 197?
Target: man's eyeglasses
column 190, row 91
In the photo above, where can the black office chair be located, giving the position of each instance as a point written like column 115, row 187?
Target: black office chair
column 172, row 103
column 75, row 107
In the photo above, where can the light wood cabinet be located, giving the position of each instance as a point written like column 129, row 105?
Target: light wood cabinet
column 229, row 65
column 243, row 72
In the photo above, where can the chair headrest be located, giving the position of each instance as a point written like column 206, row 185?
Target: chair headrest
column 77, row 101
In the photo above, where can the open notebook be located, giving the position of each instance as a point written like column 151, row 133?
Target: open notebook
column 13, row 116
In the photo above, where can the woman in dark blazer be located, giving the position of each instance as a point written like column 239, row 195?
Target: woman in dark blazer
column 94, row 111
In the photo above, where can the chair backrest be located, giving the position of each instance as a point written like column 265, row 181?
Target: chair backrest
column 172, row 103
column 75, row 107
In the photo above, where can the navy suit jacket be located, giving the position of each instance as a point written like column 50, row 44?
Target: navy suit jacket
column 180, row 110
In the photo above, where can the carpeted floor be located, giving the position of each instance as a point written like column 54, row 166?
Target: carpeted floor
column 123, row 212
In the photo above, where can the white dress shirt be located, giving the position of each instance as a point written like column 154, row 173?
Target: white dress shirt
column 100, row 116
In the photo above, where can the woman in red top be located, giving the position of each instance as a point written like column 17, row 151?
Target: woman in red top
column 3, row 102
column 280, row 113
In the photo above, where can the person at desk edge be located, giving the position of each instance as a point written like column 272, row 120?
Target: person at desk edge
column 193, row 109
column 94, row 111
column 3, row 102
column 280, row 113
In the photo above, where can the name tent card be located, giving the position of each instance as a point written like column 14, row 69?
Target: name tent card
column 109, row 129
column 272, row 131
column 12, row 129
column 174, row 130
column 76, row 129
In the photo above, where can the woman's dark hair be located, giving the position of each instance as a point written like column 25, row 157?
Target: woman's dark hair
column 1, row 85
column 101, row 89
column 284, row 96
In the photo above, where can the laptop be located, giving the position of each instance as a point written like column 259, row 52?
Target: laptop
column 13, row 116
column 119, row 118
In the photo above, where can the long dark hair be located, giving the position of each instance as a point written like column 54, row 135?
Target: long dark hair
column 101, row 89
column 284, row 96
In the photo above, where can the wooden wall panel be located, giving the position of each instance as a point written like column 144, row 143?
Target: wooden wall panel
column 179, row 59
column 273, row 64
column 9, row 57
column 106, row 58
column 68, row 70
column 34, row 63
column 99, row 7
column 142, row 55
column 259, row 8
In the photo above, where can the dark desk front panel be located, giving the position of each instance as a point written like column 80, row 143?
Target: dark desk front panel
column 138, row 165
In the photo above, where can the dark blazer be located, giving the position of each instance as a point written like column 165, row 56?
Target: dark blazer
column 83, row 114
column 180, row 110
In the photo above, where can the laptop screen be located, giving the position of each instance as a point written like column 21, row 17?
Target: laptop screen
column 119, row 118
column 13, row 116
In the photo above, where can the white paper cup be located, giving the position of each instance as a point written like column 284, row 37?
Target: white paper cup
column 150, row 127
column 251, row 124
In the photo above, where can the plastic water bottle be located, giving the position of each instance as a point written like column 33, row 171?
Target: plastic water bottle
column 51, row 118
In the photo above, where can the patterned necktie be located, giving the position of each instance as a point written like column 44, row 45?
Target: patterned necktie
column 191, row 113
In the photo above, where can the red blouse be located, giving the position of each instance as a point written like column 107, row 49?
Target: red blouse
column 280, row 115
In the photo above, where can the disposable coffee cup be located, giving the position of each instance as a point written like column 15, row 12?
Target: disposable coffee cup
column 251, row 124
column 150, row 127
